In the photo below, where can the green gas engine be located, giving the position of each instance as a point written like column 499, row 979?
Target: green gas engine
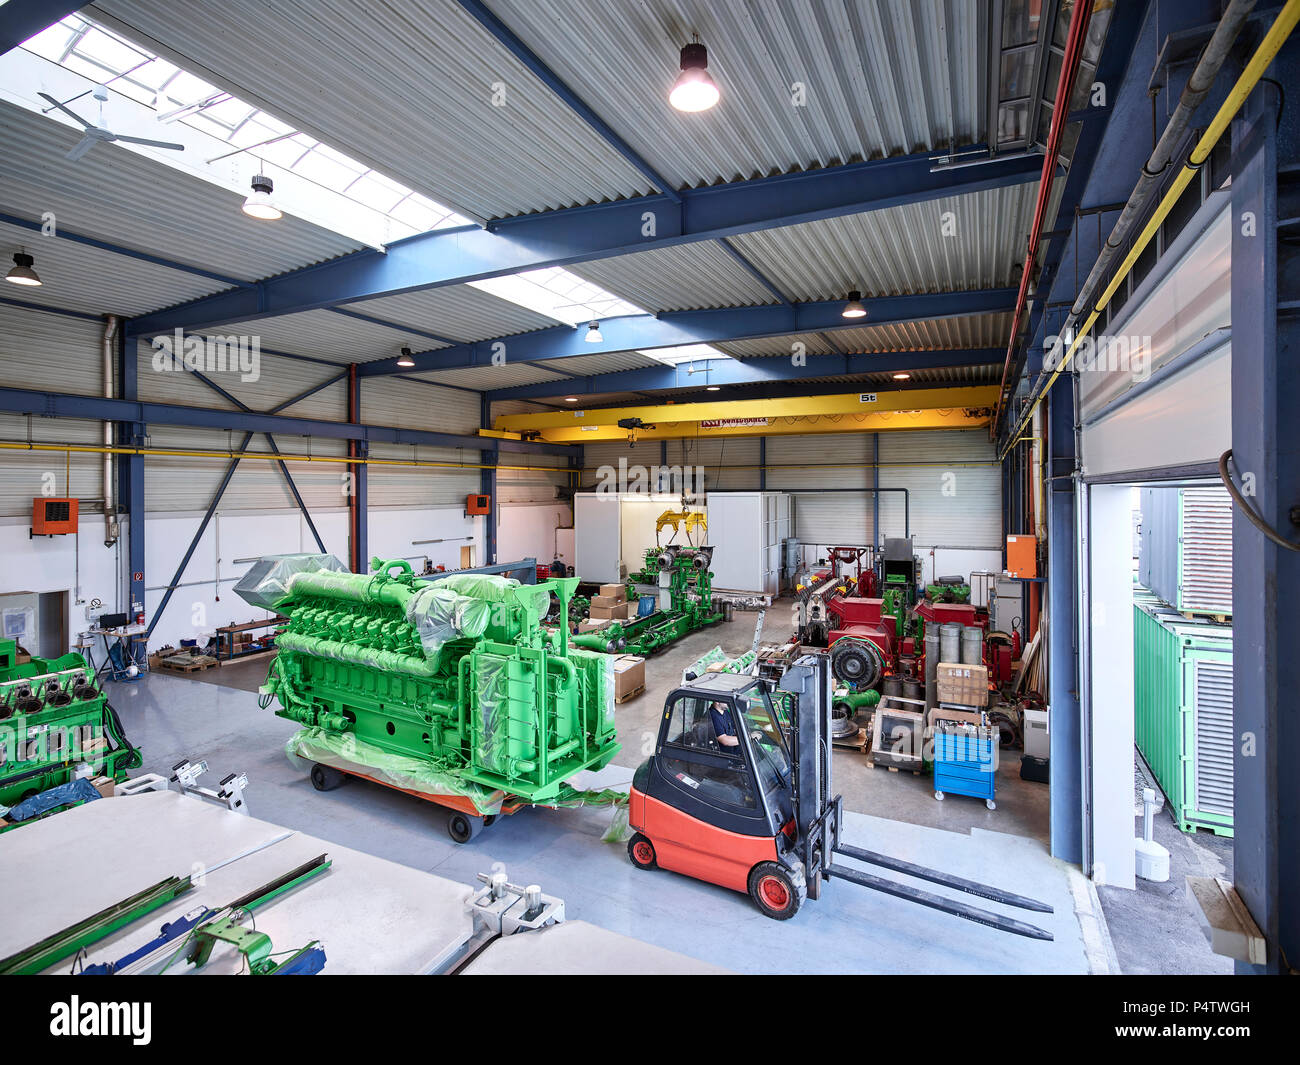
column 450, row 689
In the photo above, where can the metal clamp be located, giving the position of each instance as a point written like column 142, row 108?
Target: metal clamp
column 185, row 774
column 505, row 908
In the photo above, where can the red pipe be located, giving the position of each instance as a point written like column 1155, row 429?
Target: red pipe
column 1060, row 113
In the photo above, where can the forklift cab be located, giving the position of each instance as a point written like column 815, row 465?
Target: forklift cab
column 713, row 808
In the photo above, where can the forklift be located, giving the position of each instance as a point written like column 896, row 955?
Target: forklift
column 758, row 816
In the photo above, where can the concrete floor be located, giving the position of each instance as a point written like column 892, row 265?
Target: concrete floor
column 858, row 930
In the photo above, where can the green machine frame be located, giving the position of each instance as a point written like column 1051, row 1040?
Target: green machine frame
column 53, row 717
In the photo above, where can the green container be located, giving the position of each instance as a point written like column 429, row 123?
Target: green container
column 1182, row 711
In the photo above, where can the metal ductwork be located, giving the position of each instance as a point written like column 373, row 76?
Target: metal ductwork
column 111, row 324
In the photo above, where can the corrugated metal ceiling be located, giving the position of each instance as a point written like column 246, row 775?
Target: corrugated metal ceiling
column 123, row 198
column 881, row 77
column 774, row 347
column 582, row 365
column 459, row 312
column 944, row 245
column 933, row 334
column 326, row 335
column 77, row 277
column 486, row 378
column 686, row 277
column 405, row 86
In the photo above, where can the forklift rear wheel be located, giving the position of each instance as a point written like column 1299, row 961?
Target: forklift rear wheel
column 642, row 852
column 463, row 827
column 326, row 778
column 775, row 891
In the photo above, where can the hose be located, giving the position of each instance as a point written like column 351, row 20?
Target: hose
column 1251, row 515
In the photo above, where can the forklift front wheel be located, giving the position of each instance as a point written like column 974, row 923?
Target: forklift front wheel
column 326, row 778
column 642, row 852
column 775, row 891
column 463, row 827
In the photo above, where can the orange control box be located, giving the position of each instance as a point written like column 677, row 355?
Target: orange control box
column 478, row 504
column 1022, row 556
column 53, row 517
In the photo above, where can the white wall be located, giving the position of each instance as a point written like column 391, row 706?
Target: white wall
column 529, row 531
column 1108, row 606
column 391, row 530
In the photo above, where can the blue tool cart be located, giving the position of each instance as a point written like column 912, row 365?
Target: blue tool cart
column 965, row 761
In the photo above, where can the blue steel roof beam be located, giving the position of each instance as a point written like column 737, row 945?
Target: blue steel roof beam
column 131, row 253
column 551, row 80
column 99, row 408
column 754, row 271
column 645, row 331
column 704, row 372
column 581, row 234
column 20, row 20
column 393, row 325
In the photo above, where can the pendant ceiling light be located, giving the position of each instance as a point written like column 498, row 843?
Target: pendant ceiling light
column 22, row 272
column 694, row 89
column 404, row 360
column 593, row 333
column 854, row 308
column 259, row 204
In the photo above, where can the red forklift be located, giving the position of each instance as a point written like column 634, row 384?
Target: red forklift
column 759, row 816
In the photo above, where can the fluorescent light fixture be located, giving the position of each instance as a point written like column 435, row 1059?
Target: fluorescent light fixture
column 258, row 204
column 22, row 272
column 404, row 360
column 694, row 89
column 713, row 388
column 570, row 399
column 902, row 376
column 854, row 308
column 593, row 333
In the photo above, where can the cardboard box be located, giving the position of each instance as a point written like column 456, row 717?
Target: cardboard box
column 608, row 613
column 613, row 591
column 630, row 610
column 608, row 600
column 103, row 785
column 965, row 717
column 629, row 676
column 591, row 625
column 964, row 685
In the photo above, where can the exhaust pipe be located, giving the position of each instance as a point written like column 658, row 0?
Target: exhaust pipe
column 110, row 507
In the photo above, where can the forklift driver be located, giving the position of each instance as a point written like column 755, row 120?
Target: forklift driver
column 723, row 729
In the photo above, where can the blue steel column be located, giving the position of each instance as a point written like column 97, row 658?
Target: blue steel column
column 1062, row 609
column 1266, row 578
column 130, row 470
column 487, row 484
column 875, row 491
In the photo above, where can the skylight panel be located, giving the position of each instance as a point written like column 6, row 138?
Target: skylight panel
column 684, row 353
column 559, row 294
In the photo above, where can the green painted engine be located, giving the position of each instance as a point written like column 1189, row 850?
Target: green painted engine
column 450, row 687
column 54, row 717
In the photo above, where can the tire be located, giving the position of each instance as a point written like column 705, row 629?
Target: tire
column 490, row 820
column 775, row 891
column 326, row 778
column 642, row 852
column 463, row 827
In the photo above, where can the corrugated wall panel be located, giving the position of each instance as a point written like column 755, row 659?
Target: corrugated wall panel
column 410, row 486
column 955, row 485
column 531, row 485
column 798, row 464
column 277, row 380
column 728, row 463
column 416, row 405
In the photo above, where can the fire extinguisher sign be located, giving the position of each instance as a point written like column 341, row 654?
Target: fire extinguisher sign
column 137, row 576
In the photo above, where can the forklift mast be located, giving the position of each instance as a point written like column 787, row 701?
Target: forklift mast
column 808, row 679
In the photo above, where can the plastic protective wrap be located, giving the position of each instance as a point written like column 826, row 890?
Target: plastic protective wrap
column 440, row 614
column 492, row 707
column 596, row 678
column 740, row 664
column 266, row 584
column 343, row 750
column 79, row 790
column 496, row 589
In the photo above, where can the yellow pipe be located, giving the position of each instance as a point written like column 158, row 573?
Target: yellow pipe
column 1268, row 49
column 9, row 445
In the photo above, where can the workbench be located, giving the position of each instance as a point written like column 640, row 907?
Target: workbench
column 370, row 915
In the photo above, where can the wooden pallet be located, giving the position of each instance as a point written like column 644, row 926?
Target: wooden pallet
column 871, row 764
column 1205, row 615
column 631, row 695
column 188, row 667
column 860, row 742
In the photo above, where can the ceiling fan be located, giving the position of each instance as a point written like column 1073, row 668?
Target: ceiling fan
column 101, row 134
